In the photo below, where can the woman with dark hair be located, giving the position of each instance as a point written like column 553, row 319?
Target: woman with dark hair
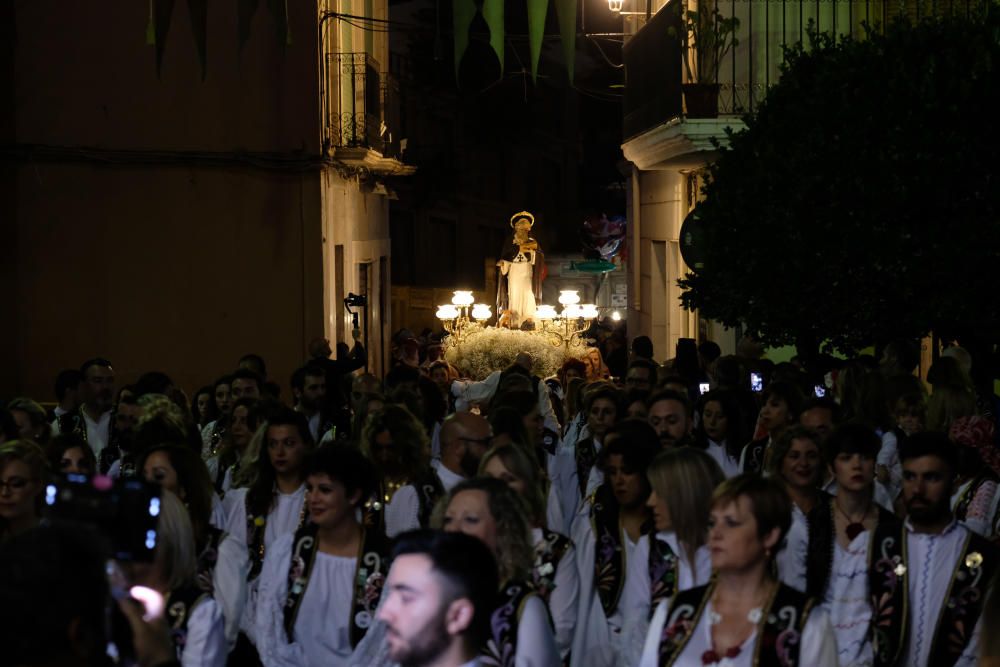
column 840, row 566
column 241, row 424
column 203, row 409
column 606, row 533
column 23, row 474
column 488, row 509
column 271, row 503
column 32, row 422
column 976, row 498
column 554, row 572
column 781, row 402
column 70, row 453
column 303, row 615
column 406, row 486
column 720, row 430
column 744, row 616
column 797, row 464
column 367, row 404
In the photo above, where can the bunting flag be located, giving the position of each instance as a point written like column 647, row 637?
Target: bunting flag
column 537, row 11
column 198, row 9
column 493, row 15
column 160, row 12
column 463, row 11
column 279, row 9
column 245, row 9
column 566, row 13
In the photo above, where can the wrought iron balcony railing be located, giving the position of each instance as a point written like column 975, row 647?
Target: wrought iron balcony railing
column 655, row 66
column 360, row 105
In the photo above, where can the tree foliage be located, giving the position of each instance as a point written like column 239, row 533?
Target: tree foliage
column 861, row 201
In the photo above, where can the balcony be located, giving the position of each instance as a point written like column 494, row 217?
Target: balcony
column 361, row 122
column 654, row 68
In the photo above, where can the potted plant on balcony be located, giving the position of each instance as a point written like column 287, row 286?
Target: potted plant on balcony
column 707, row 37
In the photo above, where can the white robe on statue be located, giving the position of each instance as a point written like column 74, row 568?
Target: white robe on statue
column 520, row 293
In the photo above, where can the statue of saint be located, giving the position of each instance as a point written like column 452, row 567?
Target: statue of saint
column 522, row 270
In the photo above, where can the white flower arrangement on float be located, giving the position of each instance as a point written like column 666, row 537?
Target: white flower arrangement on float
column 481, row 352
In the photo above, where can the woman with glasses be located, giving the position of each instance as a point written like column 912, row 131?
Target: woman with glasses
column 23, row 472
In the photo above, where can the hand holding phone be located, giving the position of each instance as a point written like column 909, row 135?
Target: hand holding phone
column 756, row 382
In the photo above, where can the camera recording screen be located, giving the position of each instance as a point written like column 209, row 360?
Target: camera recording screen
column 756, row 382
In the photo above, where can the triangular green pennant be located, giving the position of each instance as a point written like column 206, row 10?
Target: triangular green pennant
column 198, row 9
column 463, row 11
column 493, row 15
column 151, row 27
column 537, row 10
column 566, row 13
column 163, row 10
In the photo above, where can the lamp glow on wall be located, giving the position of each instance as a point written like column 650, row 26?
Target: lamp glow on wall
column 458, row 315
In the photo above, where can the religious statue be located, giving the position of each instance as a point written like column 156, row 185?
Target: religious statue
column 522, row 270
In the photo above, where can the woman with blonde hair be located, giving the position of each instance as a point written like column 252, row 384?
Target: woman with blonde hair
column 682, row 481
column 553, row 572
column 488, row 509
column 744, row 616
column 195, row 620
column 23, row 473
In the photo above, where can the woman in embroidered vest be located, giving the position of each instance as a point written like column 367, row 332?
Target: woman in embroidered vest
column 23, row 474
column 676, row 555
column 841, row 563
column 975, row 499
column 554, row 572
column 240, row 425
column 195, row 619
column 406, row 486
column 797, row 464
column 272, row 502
column 521, row 633
column 780, row 405
column 320, row 585
column 745, row 616
column 720, row 430
column 606, row 533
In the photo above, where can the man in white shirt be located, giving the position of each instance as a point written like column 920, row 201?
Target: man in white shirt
column 93, row 420
column 465, row 437
column 930, row 596
column 437, row 599
column 309, row 390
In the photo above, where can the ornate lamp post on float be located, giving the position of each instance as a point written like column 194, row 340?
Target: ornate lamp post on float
column 567, row 327
column 463, row 313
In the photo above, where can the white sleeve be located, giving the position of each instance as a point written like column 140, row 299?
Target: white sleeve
column 564, row 601
column 970, row 655
column 554, row 519
column 236, row 522
column 219, row 518
column 888, row 456
column 569, row 488
column 227, row 482
column 819, row 645
column 536, row 647
column 212, row 465
column 205, row 645
column 402, row 513
column 592, row 645
column 229, row 581
column 635, row 601
column 115, row 471
column 269, row 619
column 206, row 438
column 475, row 392
column 651, row 647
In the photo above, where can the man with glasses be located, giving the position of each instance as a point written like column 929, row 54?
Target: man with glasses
column 641, row 374
column 465, row 437
column 93, row 420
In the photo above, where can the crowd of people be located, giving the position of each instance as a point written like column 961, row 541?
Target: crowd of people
column 710, row 510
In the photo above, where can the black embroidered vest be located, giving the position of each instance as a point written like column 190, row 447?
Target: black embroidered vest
column 960, row 611
column 256, row 527
column 369, row 578
column 609, row 548
column 662, row 566
column 180, row 606
column 548, row 553
column 586, row 456
column 779, row 633
column 755, row 454
column 429, row 490
column 501, row 648
column 74, row 422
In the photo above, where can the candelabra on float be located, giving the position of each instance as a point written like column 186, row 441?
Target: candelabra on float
column 566, row 327
column 462, row 315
